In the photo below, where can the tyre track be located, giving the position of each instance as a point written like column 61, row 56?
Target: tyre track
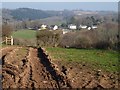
column 61, row 80
column 31, row 70
column 4, row 52
column 40, row 78
column 10, row 69
column 32, row 74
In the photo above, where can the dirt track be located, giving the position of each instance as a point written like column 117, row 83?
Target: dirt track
column 26, row 67
column 29, row 70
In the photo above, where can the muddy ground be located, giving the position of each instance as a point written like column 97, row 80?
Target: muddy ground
column 27, row 67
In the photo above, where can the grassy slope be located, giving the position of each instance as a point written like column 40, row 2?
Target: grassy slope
column 25, row 34
column 104, row 59
column 55, row 20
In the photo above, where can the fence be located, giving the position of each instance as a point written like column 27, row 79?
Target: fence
column 9, row 41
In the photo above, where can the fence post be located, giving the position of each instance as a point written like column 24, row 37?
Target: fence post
column 11, row 40
column 6, row 40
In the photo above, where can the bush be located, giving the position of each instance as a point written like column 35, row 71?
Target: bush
column 67, row 40
column 102, row 38
column 108, row 36
column 48, row 38
column 82, row 41
column 25, row 42
column 75, row 40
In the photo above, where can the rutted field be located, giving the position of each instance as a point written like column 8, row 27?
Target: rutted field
column 28, row 67
column 23, row 67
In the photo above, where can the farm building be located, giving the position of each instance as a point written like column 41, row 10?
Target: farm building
column 94, row 27
column 83, row 26
column 72, row 27
column 54, row 27
column 43, row 26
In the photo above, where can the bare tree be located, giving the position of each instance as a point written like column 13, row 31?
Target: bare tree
column 6, row 30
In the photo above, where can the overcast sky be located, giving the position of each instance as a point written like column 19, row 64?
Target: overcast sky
column 105, row 6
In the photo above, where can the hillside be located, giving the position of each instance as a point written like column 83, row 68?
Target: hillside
column 25, row 13
column 46, row 15
column 55, row 20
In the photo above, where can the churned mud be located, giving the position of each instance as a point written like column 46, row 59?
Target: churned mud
column 27, row 67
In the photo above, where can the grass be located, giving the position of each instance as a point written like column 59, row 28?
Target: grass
column 22, row 52
column 3, row 45
column 24, row 34
column 103, row 59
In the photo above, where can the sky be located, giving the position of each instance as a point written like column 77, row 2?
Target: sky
column 59, row 0
column 93, row 6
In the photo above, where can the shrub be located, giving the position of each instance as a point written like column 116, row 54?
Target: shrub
column 48, row 38
column 75, row 40
column 102, row 38
column 25, row 42
column 82, row 41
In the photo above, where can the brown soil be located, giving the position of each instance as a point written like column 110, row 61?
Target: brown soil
column 29, row 70
column 83, row 76
column 33, row 69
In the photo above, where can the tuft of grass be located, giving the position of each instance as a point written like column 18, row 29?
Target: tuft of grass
column 24, row 34
column 22, row 52
column 102, row 59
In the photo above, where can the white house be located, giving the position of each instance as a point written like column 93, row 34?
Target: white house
column 83, row 26
column 94, row 27
column 43, row 26
column 89, row 28
column 71, row 26
column 55, row 27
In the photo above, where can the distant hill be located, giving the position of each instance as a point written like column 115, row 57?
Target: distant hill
column 55, row 20
column 33, row 14
column 47, row 15
column 6, row 14
column 27, row 13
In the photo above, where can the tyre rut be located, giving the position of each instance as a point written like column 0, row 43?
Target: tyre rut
column 31, row 70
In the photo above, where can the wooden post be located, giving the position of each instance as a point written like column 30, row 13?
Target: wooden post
column 6, row 40
column 11, row 40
